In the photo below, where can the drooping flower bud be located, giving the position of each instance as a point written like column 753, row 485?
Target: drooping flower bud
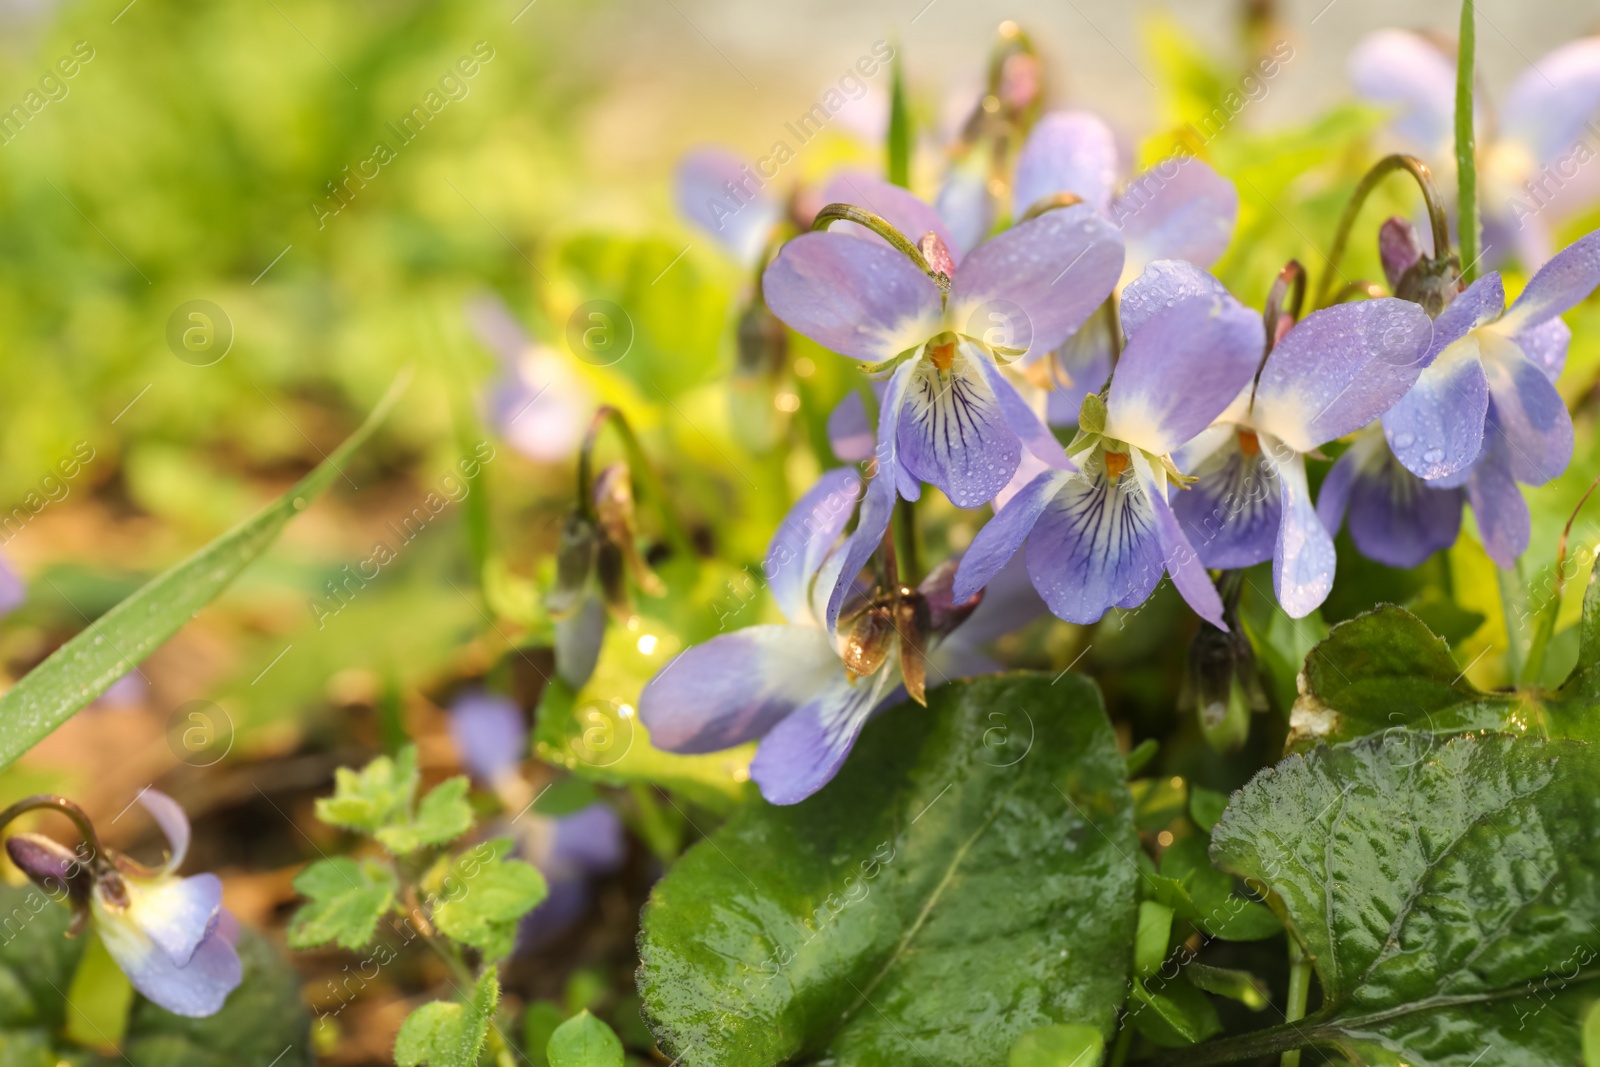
column 1432, row 282
column 575, row 561
column 1399, row 247
column 1223, row 675
column 54, row 868
column 937, row 254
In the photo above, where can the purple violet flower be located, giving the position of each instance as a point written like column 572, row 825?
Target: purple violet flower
column 490, row 735
column 1103, row 535
column 538, row 401
column 1395, row 518
column 719, row 192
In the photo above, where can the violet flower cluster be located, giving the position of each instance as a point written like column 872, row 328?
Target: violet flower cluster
column 1194, row 419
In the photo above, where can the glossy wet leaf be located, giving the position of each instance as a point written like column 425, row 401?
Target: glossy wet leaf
column 447, row 1034
column 1069, row 1045
column 1447, row 890
column 933, row 902
column 117, row 641
column 347, row 898
column 584, row 1041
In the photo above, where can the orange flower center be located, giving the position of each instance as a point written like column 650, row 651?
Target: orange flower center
column 1116, row 463
column 1249, row 443
column 942, row 354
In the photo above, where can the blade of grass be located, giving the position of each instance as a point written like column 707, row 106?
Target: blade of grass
column 1466, row 148
column 109, row 647
column 899, row 126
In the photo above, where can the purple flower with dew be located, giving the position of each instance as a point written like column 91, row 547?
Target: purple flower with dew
column 490, row 735
column 1102, row 536
column 721, row 194
column 1178, row 209
column 948, row 416
column 171, row 936
column 1532, row 171
column 1395, row 518
column 1487, row 397
column 803, row 688
column 1330, row 374
column 537, row 401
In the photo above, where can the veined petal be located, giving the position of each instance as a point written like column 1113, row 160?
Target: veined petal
column 1403, row 69
column 859, row 298
column 900, row 208
column 717, row 192
column 1549, row 103
column 1302, row 565
column 1066, row 152
column 806, row 535
column 1002, row 535
column 804, row 751
column 175, row 913
column 1231, row 514
column 1182, row 369
column 1340, row 368
column 1095, row 546
column 1528, row 411
column 174, row 823
column 1022, row 419
column 734, row 687
column 877, row 504
column 1182, row 562
column 849, row 432
column 1396, row 518
column 1052, row 271
column 490, row 734
column 1570, row 276
column 952, row 432
column 1160, row 286
column 1497, row 504
column 1436, row 429
column 196, row 989
column 1178, row 209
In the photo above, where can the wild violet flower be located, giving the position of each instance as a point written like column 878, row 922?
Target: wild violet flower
column 1486, row 412
column 537, row 401
column 725, row 197
column 171, row 936
column 1328, row 375
column 802, row 688
column 1395, row 518
column 1178, row 209
column 570, row 850
column 1103, row 535
column 1533, row 168
column 959, row 423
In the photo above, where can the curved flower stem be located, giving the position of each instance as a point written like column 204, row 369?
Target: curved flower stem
column 1466, row 145
column 880, row 226
column 1430, row 195
column 79, row 818
column 1359, row 287
column 643, row 473
column 1049, row 203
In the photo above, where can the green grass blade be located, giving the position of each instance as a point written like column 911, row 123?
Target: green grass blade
column 899, row 127
column 1466, row 147
column 109, row 647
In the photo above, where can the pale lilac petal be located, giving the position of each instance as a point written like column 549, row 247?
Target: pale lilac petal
column 1004, row 534
column 12, row 589
column 1502, row 514
column 716, row 191
column 1053, row 271
column 1095, row 547
column 1022, row 419
column 965, row 203
column 805, row 536
column 859, row 298
column 1396, row 518
column 804, row 751
column 900, row 208
column 952, row 432
column 1545, row 345
column 1231, row 514
column 1403, row 69
column 577, row 642
column 1303, row 564
column 877, row 504
column 1066, row 152
column 849, row 432
column 490, row 734
column 1482, row 302
column 1560, row 284
column 176, row 913
column 1333, row 499
column 1436, row 429
column 1178, row 209
column 174, row 823
column 1182, row 561
column 195, row 990
column 1528, row 411
column 1081, row 366
column 589, row 841
column 1029, row 469
column 1160, row 286
column 1340, row 368
column 734, row 687
column 1185, row 366
column 1550, row 104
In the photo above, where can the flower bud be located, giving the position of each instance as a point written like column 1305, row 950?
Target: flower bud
column 1399, row 247
column 575, row 561
column 763, row 344
column 613, row 505
column 50, row 865
column 1432, row 282
column 1222, row 673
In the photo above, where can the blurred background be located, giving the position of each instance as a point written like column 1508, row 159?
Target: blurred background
column 198, row 161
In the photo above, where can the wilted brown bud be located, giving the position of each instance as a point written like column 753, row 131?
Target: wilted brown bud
column 913, row 623
column 867, row 647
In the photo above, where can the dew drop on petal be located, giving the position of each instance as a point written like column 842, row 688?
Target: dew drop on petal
column 1404, row 440
column 1433, row 455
